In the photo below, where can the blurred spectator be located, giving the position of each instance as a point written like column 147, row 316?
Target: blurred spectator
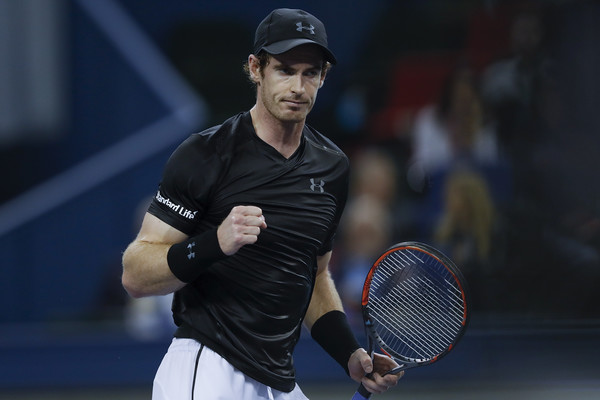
column 469, row 232
column 452, row 130
column 366, row 233
column 466, row 224
column 149, row 318
column 510, row 87
column 554, row 226
column 372, row 221
column 376, row 171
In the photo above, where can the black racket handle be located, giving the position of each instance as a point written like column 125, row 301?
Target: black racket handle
column 362, row 391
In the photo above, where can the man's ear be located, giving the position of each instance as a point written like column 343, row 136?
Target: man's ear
column 323, row 75
column 254, row 68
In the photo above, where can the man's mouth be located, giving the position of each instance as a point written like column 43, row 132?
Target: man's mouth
column 295, row 103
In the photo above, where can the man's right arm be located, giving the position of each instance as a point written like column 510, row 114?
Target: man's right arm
column 145, row 268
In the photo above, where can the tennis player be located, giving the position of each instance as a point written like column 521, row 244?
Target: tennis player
column 241, row 231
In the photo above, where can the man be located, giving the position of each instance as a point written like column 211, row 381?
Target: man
column 241, row 231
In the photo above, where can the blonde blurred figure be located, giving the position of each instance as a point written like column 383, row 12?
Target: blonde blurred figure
column 467, row 231
column 467, row 224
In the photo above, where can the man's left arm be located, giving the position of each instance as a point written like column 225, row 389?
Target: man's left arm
column 325, row 297
column 327, row 323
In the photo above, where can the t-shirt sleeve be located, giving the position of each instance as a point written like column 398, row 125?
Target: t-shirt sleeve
column 342, row 198
column 186, row 183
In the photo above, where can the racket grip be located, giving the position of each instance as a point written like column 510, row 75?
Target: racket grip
column 361, row 393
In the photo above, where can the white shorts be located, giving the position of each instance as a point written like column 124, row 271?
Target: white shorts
column 191, row 371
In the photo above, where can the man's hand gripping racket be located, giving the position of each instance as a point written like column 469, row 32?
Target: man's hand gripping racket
column 415, row 306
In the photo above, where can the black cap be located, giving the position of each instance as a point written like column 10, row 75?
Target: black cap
column 285, row 28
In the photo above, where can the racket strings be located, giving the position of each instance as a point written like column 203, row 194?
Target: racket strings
column 419, row 329
column 425, row 284
column 417, row 345
column 413, row 329
column 451, row 302
column 446, row 315
column 427, row 310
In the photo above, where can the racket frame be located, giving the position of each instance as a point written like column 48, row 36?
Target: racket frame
column 373, row 336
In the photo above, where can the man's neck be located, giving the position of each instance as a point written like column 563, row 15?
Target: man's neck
column 283, row 136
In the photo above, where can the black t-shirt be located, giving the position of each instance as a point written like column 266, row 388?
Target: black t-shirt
column 249, row 307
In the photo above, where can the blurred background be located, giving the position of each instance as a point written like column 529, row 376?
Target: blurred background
column 472, row 125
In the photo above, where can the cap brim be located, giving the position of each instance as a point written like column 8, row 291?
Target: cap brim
column 285, row 45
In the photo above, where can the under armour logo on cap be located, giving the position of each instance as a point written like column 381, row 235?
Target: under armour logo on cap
column 285, row 28
column 309, row 28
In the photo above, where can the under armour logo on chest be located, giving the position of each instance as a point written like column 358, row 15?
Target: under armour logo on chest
column 317, row 186
column 300, row 27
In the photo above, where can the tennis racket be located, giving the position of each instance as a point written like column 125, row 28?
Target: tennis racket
column 415, row 306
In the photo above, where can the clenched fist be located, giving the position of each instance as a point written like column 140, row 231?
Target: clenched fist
column 241, row 227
